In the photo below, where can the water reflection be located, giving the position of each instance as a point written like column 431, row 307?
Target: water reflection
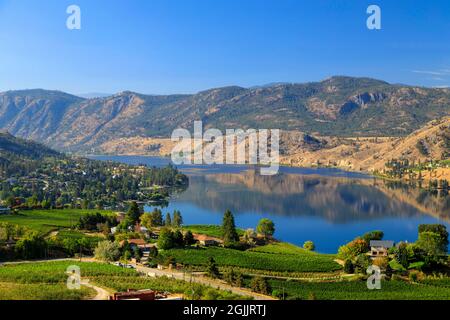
column 338, row 200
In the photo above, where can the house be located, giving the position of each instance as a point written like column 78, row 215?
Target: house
column 140, row 243
column 206, row 241
column 5, row 210
column 379, row 248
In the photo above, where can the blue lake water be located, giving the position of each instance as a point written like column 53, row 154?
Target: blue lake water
column 328, row 206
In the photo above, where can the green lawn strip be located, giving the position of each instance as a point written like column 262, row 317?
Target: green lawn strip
column 288, row 249
column 357, row 290
column 305, row 262
column 209, row 230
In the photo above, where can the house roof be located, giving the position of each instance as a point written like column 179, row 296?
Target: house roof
column 138, row 242
column 382, row 243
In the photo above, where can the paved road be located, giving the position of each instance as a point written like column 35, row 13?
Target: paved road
column 202, row 280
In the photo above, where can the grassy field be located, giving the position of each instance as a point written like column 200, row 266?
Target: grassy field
column 279, row 258
column 357, row 290
column 47, row 281
column 209, row 230
column 46, row 221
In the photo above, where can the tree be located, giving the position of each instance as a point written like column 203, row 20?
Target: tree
column 168, row 220
column 309, row 245
column 178, row 238
column 239, row 280
column 32, row 246
column 249, row 237
column 153, row 252
column 260, row 285
column 401, row 254
column 441, row 230
column 266, row 227
column 134, row 213
column 352, row 249
column 189, row 238
column 362, row 263
column 146, row 220
column 107, row 251
column 348, row 267
column 177, row 219
column 230, row 236
column 157, row 220
column 166, row 239
column 431, row 244
column 211, row 268
column 229, row 276
column 137, row 254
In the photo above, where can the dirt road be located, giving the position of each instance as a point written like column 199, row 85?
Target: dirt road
column 202, row 280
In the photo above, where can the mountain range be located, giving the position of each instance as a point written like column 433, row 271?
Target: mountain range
column 338, row 106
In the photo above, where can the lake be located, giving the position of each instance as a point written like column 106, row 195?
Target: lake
column 328, row 206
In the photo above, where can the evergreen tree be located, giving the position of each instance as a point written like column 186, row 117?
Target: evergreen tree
column 211, row 268
column 177, row 219
column 229, row 232
column 189, row 238
column 168, row 220
column 134, row 213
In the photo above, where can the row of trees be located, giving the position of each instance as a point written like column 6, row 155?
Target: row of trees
column 230, row 236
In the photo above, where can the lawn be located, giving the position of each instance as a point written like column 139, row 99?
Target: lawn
column 47, row 281
column 280, row 258
column 357, row 290
column 46, row 221
column 209, row 230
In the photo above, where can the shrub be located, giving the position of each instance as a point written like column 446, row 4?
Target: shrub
column 260, row 285
column 309, row 245
column 352, row 249
column 348, row 267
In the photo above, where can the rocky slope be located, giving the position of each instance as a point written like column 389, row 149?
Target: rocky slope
column 339, row 106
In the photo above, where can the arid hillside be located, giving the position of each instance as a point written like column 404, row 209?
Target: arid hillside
column 432, row 142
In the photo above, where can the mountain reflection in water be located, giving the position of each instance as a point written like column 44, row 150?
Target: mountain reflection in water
column 327, row 206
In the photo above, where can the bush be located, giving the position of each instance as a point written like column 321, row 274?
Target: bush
column 348, row 267
column 352, row 249
column 260, row 285
column 309, row 245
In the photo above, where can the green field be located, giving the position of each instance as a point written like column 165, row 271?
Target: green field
column 209, row 230
column 357, row 290
column 47, row 281
column 287, row 258
column 46, row 221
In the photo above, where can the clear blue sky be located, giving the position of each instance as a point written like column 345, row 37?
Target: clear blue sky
column 180, row 46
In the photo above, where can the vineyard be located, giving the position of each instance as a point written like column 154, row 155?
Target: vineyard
column 301, row 261
column 357, row 290
column 46, row 221
column 47, row 281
